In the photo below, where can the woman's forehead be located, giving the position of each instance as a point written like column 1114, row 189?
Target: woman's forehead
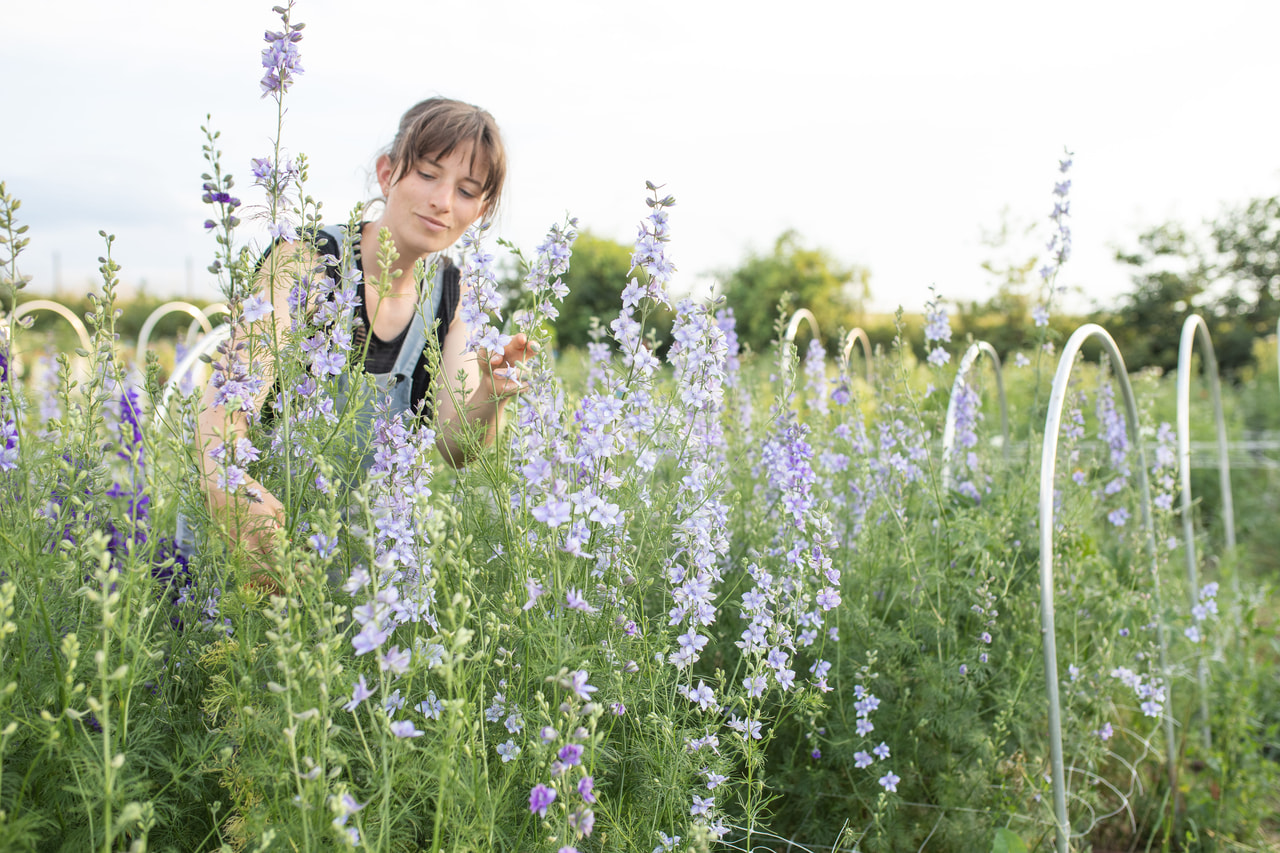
column 473, row 160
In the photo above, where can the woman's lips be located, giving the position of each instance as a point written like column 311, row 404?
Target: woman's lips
column 433, row 224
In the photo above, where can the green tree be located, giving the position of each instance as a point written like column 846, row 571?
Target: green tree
column 1234, row 282
column 836, row 294
column 598, row 272
column 1247, row 242
column 1170, row 276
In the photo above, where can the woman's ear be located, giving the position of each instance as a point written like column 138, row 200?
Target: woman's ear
column 383, row 170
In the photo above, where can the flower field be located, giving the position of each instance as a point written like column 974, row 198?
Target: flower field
column 695, row 597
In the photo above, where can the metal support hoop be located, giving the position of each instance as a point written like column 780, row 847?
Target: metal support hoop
column 1048, row 463
column 788, row 348
column 1192, row 327
column 62, row 311
column 856, row 335
column 793, row 325
column 210, row 343
column 144, row 336
column 975, row 349
column 210, row 311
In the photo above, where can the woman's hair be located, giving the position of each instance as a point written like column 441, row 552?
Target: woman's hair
column 436, row 127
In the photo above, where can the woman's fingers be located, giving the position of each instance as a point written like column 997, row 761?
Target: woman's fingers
column 520, row 348
column 504, row 366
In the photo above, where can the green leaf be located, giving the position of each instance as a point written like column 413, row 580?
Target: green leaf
column 1006, row 841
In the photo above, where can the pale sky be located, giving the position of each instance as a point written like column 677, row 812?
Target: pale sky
column 890, row 134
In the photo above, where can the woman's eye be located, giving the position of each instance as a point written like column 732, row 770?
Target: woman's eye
column 426, row 177
column 466, row 193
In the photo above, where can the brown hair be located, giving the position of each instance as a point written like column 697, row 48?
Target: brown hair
column 436, row 127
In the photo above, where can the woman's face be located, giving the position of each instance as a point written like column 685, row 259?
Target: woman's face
column 432, row 204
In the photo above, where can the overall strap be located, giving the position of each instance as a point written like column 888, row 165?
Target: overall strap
column 424, row 318
column 336, row 234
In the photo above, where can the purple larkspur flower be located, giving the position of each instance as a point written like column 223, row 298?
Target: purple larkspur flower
column 431, row 707
column 508, row 751
column 1060, row 246
column 405, row 729
column 395, row 661
column 578, row 684
column 702, row 695
column 582, row 821
column 574, row 600
column 280, row 57
column 650, row 250
column 937, row 326
column 324, row 546
column 702, row 805
column 571, row 754
column 255, row 308
column 360, row 693
column 540, row 799
column 370, row 638
column 480, row 297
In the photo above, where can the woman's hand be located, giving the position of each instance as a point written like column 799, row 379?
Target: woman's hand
column 504, row 368
column 263, row 535
column 473, row 389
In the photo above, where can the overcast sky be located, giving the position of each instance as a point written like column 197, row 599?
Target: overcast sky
column 890, row 134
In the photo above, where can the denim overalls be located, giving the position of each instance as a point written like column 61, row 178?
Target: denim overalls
column 397, row 384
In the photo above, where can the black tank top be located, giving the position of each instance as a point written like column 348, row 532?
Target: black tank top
column 381, row 355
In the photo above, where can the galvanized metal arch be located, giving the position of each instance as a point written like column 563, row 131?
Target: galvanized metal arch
column 788, row 348
column 971, row 355
column 210, row 311
column 207, row 345
column 1048, row 464
column 149, row 325
column 793, row 325
column 62, row 311
column 856, row 335
column 1193, row 327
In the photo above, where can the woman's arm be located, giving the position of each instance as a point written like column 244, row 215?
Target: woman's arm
column 249, row 516
column 478, row 400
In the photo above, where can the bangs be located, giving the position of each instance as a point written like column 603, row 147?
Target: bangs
column 439, row 127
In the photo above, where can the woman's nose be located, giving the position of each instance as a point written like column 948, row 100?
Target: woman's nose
column 441, row 196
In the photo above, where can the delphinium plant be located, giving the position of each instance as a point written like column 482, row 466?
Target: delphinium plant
column 96, row 751
column 11, row 237
column 692, row 602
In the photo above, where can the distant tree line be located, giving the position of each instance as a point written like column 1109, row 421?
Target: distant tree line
column 834, row 292
column 1231, row 277
column 1229, row 272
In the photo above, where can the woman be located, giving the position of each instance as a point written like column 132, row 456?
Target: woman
column 442, row 173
